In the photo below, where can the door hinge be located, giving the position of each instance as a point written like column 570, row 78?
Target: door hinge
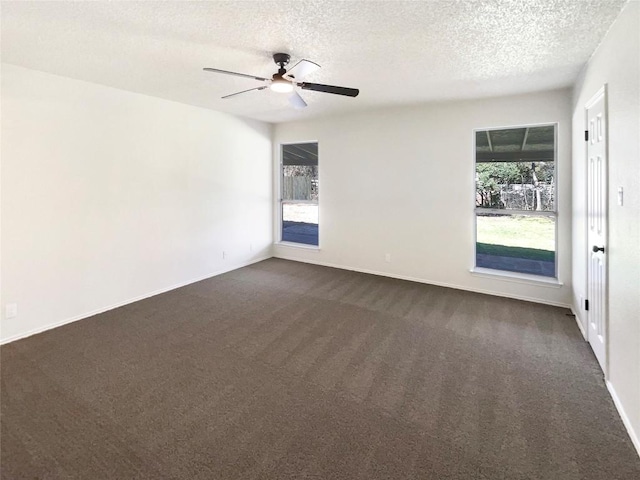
column 586, row 305
column 586, row 135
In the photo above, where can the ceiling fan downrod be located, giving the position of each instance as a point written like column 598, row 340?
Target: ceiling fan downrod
column 278, row 83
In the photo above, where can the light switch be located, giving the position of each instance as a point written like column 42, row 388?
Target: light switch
column 620, row 196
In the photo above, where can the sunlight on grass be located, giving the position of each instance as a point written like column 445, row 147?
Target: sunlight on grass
column 517, row 231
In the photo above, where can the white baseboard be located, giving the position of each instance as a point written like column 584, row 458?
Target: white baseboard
column 82, row 316
column 635, row 439
column 429, row 282
column 579, row 322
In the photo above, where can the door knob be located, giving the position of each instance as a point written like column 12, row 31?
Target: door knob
column 597, row 249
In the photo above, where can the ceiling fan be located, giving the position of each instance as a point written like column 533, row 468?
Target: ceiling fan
column 285, row 82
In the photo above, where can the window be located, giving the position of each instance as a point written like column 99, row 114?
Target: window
column 516, row 212
column 299, row 193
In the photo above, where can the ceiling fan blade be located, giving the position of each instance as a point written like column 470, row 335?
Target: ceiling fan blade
column 245, row 91
column 301, row 70
column 297, row 101
column 216, row 70
column 318, row 87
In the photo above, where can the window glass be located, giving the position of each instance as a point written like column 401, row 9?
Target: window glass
column 516, row 200
column 299, row 193
column 300, row 223
column 300, row 182
column 516, row 243
column 516, row 185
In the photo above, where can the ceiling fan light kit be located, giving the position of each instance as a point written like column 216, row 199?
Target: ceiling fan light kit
column 280, row 85
column 285, row 82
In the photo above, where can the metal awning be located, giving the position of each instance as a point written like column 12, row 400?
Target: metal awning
column 300, row 154
column 516, row 144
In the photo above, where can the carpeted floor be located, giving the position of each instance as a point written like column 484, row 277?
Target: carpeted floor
column 283, row 370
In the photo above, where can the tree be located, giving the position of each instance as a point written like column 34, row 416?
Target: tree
column 495, row 185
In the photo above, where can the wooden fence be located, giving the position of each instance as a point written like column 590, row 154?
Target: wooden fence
column 299, row 188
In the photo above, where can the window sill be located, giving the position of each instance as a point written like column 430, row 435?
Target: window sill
column 303, row 246
column 516, row 277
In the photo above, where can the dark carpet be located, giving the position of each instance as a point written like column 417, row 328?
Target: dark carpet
column 282, row 370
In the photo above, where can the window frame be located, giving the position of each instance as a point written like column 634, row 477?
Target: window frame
column 508, row 274
column 281, row 201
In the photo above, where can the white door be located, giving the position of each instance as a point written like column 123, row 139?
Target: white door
column 597, row 226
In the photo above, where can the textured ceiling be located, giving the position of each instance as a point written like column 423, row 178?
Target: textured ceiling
column 395, row 52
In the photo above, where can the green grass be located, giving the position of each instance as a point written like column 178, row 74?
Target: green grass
column 516, row 252
column 528, row 233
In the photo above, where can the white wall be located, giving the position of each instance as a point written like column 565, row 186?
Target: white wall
column 616, row 63
column 387, row 178
column 109, row 196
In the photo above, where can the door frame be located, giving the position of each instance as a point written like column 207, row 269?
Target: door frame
column 601, row 92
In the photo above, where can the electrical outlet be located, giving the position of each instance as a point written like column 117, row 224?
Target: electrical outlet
column 224, row 254
column 387, row 257
column 11, row 310
column 251, row 247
